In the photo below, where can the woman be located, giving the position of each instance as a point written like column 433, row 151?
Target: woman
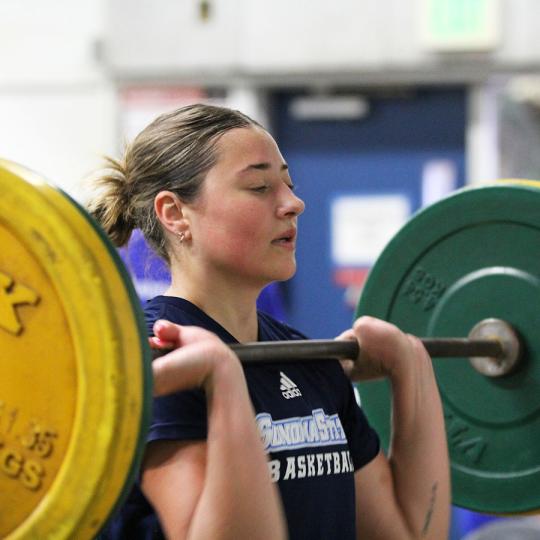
column 213, row 195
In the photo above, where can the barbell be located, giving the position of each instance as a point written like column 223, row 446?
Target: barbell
column 75, row 390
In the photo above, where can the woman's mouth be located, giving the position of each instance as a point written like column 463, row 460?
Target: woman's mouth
column 287, row 239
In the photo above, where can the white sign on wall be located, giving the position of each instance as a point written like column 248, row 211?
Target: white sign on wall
column 362, row 225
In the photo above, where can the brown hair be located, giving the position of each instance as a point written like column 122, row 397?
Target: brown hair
column 172, row 153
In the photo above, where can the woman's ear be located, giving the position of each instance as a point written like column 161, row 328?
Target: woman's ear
column 169, row 210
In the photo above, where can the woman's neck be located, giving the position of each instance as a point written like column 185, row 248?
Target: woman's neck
column 232, row 305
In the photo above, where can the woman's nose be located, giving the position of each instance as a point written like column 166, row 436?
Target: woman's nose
column 291, row 204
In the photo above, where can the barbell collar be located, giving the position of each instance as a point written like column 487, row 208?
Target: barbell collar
column 506, row 337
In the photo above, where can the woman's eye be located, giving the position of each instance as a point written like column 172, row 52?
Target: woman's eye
column 260, row 189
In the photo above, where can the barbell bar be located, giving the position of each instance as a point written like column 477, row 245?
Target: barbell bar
column 495, row 356
column 305, row 350
column 493, row 348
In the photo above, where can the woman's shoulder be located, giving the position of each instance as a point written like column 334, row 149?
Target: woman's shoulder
column 163, row 307
column 177, row 310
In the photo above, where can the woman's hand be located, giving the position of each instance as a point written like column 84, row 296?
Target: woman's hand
column 385, row 351
column 197, row 354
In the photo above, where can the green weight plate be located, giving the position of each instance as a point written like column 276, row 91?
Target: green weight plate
column 469, row 257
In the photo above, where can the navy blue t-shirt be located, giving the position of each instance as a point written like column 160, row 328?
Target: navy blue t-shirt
column 315, row 434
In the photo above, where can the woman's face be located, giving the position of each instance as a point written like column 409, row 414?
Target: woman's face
column 243, row 223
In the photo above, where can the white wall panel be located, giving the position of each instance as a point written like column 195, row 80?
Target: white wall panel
column 57, row 109
column 49, row 41
column 312, row 35
column 172, row 35
column 61, row 134
column 521, row 32
column 261, row 37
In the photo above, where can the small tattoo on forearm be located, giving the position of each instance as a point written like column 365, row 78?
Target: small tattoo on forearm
column 429, row 513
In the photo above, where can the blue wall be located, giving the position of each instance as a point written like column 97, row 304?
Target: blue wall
column 385, row 152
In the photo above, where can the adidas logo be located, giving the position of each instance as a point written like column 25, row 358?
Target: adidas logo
column 288, row 388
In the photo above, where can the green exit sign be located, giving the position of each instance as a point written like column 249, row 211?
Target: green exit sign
column 460, row 25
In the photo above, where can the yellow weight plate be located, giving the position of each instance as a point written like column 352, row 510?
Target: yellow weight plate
column 521, row 181
column 74, row 391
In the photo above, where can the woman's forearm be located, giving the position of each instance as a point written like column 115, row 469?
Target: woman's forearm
column 418, row 451
column 238, row 499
